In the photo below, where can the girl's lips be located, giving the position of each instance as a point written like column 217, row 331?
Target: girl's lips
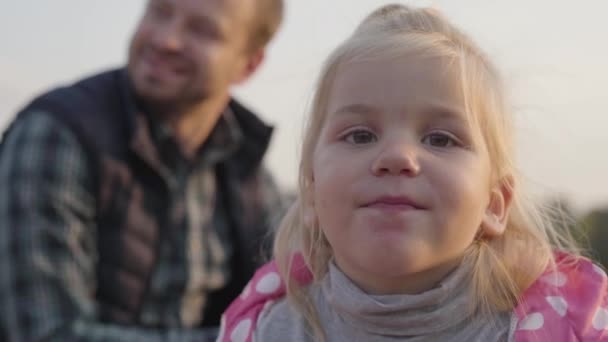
column 391, row 207
column 393, row 203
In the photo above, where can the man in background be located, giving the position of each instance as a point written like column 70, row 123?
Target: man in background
column 133, row 204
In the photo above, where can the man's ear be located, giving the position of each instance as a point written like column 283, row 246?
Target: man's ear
column 252, row 64
column 496, row 215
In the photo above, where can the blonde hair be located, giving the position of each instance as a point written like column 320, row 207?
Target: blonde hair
column 503, row 266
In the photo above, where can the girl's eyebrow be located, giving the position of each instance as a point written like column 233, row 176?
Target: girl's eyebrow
column 356, row 108
column 435, row 111
column 447, row 114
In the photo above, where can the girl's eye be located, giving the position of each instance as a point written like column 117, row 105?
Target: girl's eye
column 439, row 140
column 360, row 136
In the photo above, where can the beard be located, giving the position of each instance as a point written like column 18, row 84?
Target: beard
column 164, row 81
column 157, row 97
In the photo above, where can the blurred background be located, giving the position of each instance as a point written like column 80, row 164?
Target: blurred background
column 553, row 53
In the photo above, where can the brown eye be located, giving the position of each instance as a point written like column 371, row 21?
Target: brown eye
column 359, row 137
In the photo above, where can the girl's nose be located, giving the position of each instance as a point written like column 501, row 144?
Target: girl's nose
column 397, row 158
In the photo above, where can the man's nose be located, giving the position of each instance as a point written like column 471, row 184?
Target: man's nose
column 169, row 35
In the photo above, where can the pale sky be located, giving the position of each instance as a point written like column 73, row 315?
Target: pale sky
column 554, row 54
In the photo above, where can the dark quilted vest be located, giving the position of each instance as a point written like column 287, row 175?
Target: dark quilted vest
column 132, row 195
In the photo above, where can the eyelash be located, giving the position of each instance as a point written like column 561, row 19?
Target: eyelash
column 451, row 142
column 348, row 136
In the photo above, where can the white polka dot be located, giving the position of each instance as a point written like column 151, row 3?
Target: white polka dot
column 241, row 331
column 556, row 279
column 246, row 291
column 559, row 304
column 600, row 320
column 533, row 321
column 269, row 283
column 599, row 270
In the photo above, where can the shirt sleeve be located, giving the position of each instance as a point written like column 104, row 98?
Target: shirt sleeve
column 569, row 303
column 48, row 241
column 267, row 287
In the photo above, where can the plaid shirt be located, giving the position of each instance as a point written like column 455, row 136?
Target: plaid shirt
column 48, row 238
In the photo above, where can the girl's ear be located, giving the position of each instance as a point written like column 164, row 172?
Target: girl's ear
column 496, row 215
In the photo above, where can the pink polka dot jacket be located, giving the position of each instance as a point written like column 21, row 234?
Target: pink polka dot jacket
column 569, row 303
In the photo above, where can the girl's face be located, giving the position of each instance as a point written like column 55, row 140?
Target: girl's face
column 401, row 188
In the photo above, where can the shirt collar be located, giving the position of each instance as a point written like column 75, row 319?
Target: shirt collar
column 224, row 139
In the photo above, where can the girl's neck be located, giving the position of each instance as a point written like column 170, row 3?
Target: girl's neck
column 391, row 284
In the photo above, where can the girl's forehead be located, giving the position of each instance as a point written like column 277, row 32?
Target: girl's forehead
column 397, row 83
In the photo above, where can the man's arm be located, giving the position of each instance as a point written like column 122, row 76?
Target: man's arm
column 48, row 243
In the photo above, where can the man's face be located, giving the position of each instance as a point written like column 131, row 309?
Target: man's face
column 185, row 51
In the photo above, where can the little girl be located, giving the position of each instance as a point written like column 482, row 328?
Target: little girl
column 410, row 224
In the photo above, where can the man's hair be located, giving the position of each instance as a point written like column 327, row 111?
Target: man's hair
column 267, row 19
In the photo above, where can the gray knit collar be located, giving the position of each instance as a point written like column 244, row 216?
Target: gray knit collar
column 433, row 311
